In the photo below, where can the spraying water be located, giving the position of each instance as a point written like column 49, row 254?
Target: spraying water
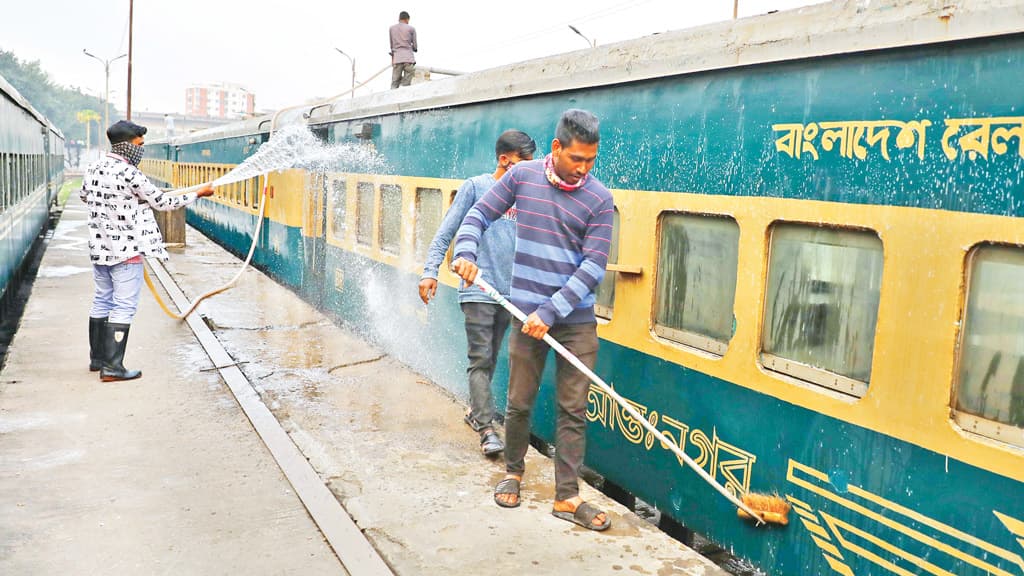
column 291, row 147
column 296, row 147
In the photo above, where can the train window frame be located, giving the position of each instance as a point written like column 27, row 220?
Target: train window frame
column 820, row 378
column 364, row 214
column 389, row 230
column 601, row 310
column 4, row 187
column 422, row 237
column 339, row 206
column 979, row 425
column 696, row 341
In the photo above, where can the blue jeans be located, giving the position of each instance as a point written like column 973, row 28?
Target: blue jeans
column 117, row 291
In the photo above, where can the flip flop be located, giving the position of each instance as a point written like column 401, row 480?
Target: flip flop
column 507, row 486
column 584, row 516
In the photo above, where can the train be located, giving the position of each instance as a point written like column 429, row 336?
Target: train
column 31, row 172
column 816, row 284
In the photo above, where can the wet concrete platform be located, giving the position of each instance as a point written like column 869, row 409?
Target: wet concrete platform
column 165, row 474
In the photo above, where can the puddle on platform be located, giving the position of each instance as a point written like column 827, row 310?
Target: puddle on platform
column 61, row 271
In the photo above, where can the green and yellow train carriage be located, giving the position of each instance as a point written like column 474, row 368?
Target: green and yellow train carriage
column 817, row 282
column 31, row 172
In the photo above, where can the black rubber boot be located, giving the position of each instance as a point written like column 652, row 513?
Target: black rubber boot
column 97, row 351
column 116, row 339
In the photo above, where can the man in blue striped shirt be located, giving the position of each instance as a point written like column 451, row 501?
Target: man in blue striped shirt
column 563, row 236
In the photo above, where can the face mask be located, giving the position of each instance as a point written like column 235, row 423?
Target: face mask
column 131, row 152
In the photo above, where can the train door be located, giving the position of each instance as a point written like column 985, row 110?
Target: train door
column 51, row 194
column 314, row 233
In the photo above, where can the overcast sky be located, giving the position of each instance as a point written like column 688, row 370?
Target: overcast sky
column 286, row 55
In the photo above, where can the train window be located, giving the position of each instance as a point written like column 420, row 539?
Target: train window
column 365, row 197
column 605, row 294
column 19, row 171
column 990, row 384
column 4, row 186
column 390, row 217
column 428, row 219
column 821, row 305
column 339, row 208
column 696, row 280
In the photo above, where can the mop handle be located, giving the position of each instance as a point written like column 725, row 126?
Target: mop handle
column 666, row 441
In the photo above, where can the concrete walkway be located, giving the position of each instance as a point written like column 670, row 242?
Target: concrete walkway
column 165, row 474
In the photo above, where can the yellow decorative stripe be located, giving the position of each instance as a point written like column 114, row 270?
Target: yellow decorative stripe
column 798, row 502
column 827, row 546
column 806, row 514
column 812, row 526
column 920, row 537
column 835, row 524
column 838, row 566
column 908, row 397
column 1015, row 526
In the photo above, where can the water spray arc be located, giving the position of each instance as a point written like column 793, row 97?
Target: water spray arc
column 293, row 146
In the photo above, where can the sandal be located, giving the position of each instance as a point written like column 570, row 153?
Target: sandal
column 584, row 516
column 472, row 423
column 507, row 486
column 490, row 443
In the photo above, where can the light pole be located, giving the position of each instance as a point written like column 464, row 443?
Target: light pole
column 353, row 61
column 592, row 43
column 106, row 88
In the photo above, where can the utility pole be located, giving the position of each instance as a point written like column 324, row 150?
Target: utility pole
column 353, row 61
column 106, row 87
column 131, row 14
column 735, row 9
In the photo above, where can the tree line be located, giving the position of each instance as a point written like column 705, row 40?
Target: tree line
column 64, row 106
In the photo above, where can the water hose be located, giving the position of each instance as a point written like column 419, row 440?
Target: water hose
column 773, row 503
column 230, row 283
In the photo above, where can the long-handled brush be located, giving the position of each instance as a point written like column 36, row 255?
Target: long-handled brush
column 760, row 508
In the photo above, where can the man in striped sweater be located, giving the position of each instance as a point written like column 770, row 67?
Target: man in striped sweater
column 563, row 235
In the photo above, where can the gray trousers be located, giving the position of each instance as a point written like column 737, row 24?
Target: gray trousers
column 526, row 364
column 401, row 74
column 485, row 329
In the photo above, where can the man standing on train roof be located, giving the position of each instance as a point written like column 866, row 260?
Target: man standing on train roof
column 485, row 320
column 563, row 236
column 403, row 46
column 121, row 231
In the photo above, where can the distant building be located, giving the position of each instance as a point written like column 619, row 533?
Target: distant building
column 219, row 101
column 161, row 125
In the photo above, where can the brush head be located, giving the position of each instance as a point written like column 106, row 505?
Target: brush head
column 771, row 508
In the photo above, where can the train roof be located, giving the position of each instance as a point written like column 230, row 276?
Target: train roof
column 827, row 29
column 12, row 93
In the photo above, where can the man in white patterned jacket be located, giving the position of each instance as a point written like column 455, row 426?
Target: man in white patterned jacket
column 122, row 231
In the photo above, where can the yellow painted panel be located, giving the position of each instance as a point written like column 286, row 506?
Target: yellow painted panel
column 913, row 364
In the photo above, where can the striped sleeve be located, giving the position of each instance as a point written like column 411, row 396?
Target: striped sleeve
column 489, row 208
column 590, row 272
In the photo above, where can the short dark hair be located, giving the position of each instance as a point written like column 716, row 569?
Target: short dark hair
column 577, row 125
column 124, row 131
column 403, row 15
column 515, row 141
